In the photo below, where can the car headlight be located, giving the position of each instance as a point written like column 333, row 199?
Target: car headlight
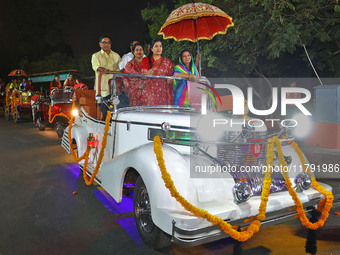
column 303, row 180
column 241, row 191
column 75, row 112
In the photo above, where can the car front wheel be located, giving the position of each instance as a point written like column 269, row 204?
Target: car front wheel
column 40, row 123
column 149, row 232
column 7, row 112
column 15, row 115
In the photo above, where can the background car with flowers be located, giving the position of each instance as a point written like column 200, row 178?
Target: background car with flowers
column 170, row 158
column 54, row 110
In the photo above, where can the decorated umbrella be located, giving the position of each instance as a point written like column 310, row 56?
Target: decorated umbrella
column 17, row 72
column 195, row 21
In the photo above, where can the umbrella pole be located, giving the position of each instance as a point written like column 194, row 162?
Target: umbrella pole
column 199, row 62
column 198, row 51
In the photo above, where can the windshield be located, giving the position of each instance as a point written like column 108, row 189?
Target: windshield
column 148, row 90
column 60, row 95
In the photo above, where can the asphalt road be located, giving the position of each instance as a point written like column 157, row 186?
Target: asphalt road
column 39, row 214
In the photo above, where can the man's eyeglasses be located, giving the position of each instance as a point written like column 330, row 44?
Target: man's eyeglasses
column 106, row 42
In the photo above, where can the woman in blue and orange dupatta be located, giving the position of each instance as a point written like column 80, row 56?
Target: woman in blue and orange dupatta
column 185, row 69
column 157, row 91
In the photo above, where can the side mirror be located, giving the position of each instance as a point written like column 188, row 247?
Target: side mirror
column 99, row 98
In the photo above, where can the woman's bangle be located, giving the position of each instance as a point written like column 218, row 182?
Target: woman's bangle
column 189, row 76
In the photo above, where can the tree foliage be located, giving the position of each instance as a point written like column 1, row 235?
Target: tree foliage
column 30, row 29
column 57, row 61
column 267, row 38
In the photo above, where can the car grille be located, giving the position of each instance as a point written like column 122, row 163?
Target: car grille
column 247, row 160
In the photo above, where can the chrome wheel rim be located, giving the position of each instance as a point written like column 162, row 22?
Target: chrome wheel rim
column 143, row 210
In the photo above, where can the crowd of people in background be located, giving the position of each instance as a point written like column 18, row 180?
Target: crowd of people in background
column 17, row 84
column 138, row 92
column 70, row 83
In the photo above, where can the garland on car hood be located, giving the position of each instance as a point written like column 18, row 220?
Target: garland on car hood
column 254, row 227
column 325, row 204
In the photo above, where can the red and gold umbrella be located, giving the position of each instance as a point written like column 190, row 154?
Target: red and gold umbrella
column 195, row 21
column 17, row 72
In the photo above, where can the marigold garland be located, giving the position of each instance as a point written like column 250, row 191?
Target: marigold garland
column 226, row 227
column 242, row 236
column 8, row 99
column 325, row 204
column 87, row 152
column 59, row 114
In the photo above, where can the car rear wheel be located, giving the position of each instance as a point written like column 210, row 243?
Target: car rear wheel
column 60, row 129
column 149, row 232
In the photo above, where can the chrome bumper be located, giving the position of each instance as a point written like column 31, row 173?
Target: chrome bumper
column 187, row 237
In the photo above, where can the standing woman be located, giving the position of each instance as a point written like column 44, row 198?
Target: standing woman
column 157, row 91
column 185, row 69
column 134, row 86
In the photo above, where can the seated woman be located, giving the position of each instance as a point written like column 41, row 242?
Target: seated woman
column 134, row 86
column 185, row 69
column 69, row 82
column 157, row 91
column 56, row 83
column 79, row 85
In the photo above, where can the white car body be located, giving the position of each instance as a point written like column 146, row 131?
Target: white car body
column 130, row 146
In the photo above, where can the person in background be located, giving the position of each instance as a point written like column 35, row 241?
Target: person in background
column 69, row 82
column 128, row 57
column 23, row 84
column 14, row 85
column 188, row 70
column 29, row 85
column 291, row 108
column 56, row 83
column 79, row 85
column 134, row 86
column 104, row 60
column 157, row 91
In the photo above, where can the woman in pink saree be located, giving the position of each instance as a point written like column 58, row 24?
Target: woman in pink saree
column 157, row 91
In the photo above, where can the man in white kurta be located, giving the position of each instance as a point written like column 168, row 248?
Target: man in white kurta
column 105, row 60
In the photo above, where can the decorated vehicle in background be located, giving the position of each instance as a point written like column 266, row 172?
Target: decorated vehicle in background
column 18, row 105
column 2, row 93
column 194, row 183
column 54, row 110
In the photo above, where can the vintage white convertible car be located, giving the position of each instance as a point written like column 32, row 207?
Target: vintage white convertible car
column 219, row 170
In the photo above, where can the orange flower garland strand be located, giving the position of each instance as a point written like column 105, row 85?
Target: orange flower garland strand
column 59, row 114
column 325, row 203
column 267, row 180
column 8, row 99
column 242, row 236
column 70, row 139
column 101, row 153
column 226, row 227
column 87, row 152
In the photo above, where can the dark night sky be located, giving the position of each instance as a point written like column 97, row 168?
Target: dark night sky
column 89, row 19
